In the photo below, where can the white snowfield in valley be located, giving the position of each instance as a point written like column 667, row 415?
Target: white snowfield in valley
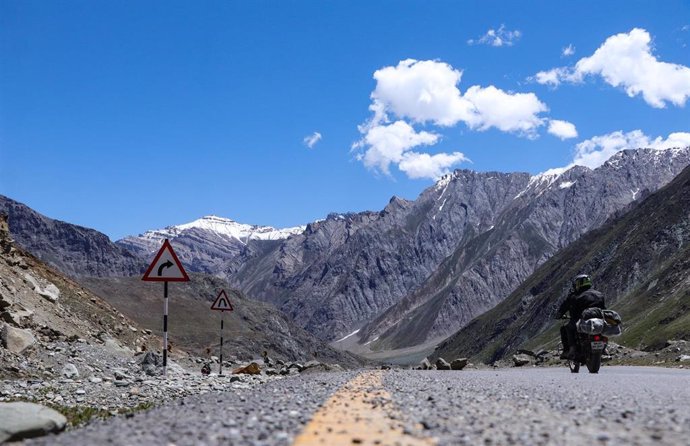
column 225, row 227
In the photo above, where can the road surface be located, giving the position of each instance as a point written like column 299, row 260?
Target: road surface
column 621, row 405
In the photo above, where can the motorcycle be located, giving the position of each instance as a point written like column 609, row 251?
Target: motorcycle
column 589, row 349
column 592, row 336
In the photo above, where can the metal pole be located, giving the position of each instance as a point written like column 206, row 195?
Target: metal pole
column 165, row 329
column 220, row 373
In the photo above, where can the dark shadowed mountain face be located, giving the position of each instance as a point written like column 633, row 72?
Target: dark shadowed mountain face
column 420, row 270
column 640, row 261
column 74, row 250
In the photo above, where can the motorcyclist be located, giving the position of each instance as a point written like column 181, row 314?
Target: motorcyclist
column 581, row 297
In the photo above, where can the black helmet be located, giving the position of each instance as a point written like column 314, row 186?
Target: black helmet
column 581, row 283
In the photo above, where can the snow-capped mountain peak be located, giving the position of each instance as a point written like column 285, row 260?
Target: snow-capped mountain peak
column 227, row 228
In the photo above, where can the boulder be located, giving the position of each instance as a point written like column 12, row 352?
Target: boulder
column 16, row 340
column 51, row 293
column 520, row 360
column 150, row 363
column 425, row 364
column 459, row 364
column 27, row 420
column 69, row 371
column 442, row 364
column 527, row 352
column 251, row 369
column 5, row 300
column 18, row 317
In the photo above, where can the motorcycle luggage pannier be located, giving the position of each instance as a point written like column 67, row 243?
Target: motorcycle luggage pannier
column 591, row 326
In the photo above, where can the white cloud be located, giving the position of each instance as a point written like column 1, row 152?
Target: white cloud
column 595, row 151
column 568, row 51
column 508, row 112
column 550, row 77
column 311, row 140
column 423, row 165
column 562, row 129
column 427, row 91
column 386, row 144
column 423, row 91
column 497, row 37
column 625, row 60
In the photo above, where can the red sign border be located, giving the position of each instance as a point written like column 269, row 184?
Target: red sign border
column 222, row 293
column 147, row 278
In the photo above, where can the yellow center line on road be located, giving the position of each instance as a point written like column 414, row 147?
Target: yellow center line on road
column 361, row 412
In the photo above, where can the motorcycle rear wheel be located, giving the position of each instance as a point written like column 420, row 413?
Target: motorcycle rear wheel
column 594, row 362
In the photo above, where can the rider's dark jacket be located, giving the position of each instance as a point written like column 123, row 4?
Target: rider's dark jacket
column 575, row 304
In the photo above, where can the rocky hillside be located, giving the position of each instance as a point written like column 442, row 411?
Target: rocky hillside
column 640, row 260
column 46, row 318
column 74, row 250
column 252, row 328
column 419, row 270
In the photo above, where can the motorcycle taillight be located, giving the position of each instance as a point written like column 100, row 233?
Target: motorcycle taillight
column 597, row 337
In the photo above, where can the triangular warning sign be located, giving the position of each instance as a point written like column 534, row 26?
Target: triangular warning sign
column 166, row 267
column 222, row 303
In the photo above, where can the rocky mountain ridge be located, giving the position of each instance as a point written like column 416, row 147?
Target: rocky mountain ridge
column 639, row 260
column 419, row 270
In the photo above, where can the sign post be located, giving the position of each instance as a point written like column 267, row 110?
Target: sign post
column 166, row 267
column 222, row 304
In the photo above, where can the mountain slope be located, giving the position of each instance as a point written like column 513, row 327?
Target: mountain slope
column 419, row 270
column 641, row 261
column 253, row 327
column 74, row 250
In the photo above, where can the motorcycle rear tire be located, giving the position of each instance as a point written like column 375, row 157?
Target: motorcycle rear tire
column 594, row 362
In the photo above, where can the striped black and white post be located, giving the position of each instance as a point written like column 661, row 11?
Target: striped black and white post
column 220, row 371
column 165, row 329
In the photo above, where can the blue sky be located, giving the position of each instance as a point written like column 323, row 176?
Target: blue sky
column 128, row 116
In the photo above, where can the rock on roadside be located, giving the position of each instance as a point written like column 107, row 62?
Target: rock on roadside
column 27, row 420
column 459, row 364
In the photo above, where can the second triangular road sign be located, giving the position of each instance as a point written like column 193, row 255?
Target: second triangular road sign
column 222, row 303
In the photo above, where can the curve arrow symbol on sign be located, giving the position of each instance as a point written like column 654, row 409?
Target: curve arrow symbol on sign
column 167, row 264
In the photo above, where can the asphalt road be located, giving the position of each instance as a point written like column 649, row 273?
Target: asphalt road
column 621, row 405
